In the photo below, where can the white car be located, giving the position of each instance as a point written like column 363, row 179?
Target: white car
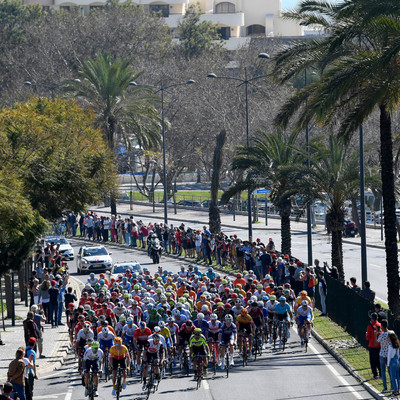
column 66, row 250
column 121, row 267
column 93, row 259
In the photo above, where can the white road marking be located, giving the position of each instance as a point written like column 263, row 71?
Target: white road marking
column 336, row 373
column 50, row 396
column 68, row 396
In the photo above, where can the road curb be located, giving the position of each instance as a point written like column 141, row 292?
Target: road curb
column 367, row 386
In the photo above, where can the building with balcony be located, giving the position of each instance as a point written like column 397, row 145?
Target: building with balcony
column 238, row 20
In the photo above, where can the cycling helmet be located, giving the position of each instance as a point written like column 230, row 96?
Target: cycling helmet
column 129, row 320
column 304, row 303
column 156, row 337
column 213, row 317
column 142, row 324
column 228, row 305
column 200, row 316
column 157, row 329
column 194, row 314
column 135, row 303
column 71, row 305
column 272, row 297
column 238, row 301
column 282, row 298
column 265, row 298
column 204, row 308
column 105, row 331
column 158, row 290
column 91, row 313
column 86, row 326
column 228, row 317
column 259, row 286
column 286, row 292
column 243, row 311
column 136, row 287
column 161, row 324
column 117, row 341
column 127, row 295
column 176, row 313
column 95, row 345
column 87, row 307
column 102, row 318
column 171, row 320
column 122, row 318
column 197, row 331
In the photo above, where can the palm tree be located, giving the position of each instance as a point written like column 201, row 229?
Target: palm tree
column 333, row 177
column 359, row 72
column 266, row 164
column 123, row 115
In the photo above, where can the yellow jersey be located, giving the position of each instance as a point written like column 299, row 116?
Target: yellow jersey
column 118, row 352
column 244, row 320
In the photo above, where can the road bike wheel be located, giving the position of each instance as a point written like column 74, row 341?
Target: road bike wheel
column 118, row 389
column 227, row 364
column 186, row 364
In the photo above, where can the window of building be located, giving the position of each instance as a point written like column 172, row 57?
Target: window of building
column 46, row 8
column 224, row 8
column 162, row 9
column 225, row 32
column 92, row 8
column 65, row 8
column 255, row 30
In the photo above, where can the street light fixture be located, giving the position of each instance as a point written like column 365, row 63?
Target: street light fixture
column 51, row 88
column 245, row 82
column 161, row 88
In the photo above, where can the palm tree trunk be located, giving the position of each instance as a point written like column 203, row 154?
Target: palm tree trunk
column 286, row 238
column 111, row 144
column 337, row 253
column 389, row 211
column 214, row 212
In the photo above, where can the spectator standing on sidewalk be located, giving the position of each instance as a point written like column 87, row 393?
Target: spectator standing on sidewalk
column 393, row 362
column 373, row 346
column 383, row 340
column 353, row 285
column 16, row 374
column 31, row 371
column 323, row 290
column 380, row 312
column 367, row 293
column 53, row 304
column 30, row 327
column 44, row 297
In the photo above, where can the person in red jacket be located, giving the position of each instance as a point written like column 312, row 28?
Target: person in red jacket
column 373, row 345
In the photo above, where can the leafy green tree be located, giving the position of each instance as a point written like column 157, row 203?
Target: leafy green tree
column 358, row 63
column 197, row 36
column 62, row 161
column 123, row 112
column 20, row 225
column 268, row 164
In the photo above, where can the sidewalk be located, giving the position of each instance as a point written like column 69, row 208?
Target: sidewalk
column 55, row 340
column 197, row 218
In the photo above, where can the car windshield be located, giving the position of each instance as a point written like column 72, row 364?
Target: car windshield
column 56, row 240
column 95, row 251
column 121, row 268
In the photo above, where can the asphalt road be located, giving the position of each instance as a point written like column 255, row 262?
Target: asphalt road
column 293, row 374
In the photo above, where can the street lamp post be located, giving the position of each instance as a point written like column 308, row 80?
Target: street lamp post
column 161, row 88
column 50, row 88
column 364, row 276
column 245, row 82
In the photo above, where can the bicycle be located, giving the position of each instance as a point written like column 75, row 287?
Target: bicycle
column 274, row 332
column 257, row 344
column 185, row 360
column 90, row 387
column 199, row 373
column 214, row 354
column 118, row 385
column 244, row 349
column 283, row 325
column 131, row 358
column 304, row 336
column 150, row 382
column 227, row 358
column 106, row 365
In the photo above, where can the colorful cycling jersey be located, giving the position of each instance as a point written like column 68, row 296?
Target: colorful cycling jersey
column 104, row 338
column 119, row 352
column 197, row 342
column 129, row 331
column 228, row 330
column 165, row 333
column 255, row 313
column 152, row 347
column 92, row 356
column 84, row 336
column 282, row 309
column 245, row 320
column 142, row 336
column 174, row 329
column 271, row 306
column 305, row 312
column 203, row 326
column 213, row 329
column 236, row 310
column 110, row 328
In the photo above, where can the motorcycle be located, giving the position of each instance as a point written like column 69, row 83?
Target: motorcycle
column 155, row 251
column 350, row 229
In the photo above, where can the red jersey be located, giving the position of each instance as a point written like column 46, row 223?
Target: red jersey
column 142, row 336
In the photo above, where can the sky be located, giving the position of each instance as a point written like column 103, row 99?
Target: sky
column 289, row 4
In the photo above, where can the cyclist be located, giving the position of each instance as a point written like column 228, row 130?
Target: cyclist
column 119, row 356
column 201, row 323
column 214, row 329
column 140, row 338
column 83, row 335
column 198, row 346
column 128, row 331
column 304, row 319
column 154, row 352
column 185, row 332
column 282, row 311
column 270, row 306
column 245, row 324
column 227, row 336
column 92, row 360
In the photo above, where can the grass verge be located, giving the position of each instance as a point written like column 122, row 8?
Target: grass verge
column 356, row 355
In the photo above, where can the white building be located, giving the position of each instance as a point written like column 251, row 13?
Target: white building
column 239, row 20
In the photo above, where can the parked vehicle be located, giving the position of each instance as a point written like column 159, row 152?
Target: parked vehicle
column 350, row 229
